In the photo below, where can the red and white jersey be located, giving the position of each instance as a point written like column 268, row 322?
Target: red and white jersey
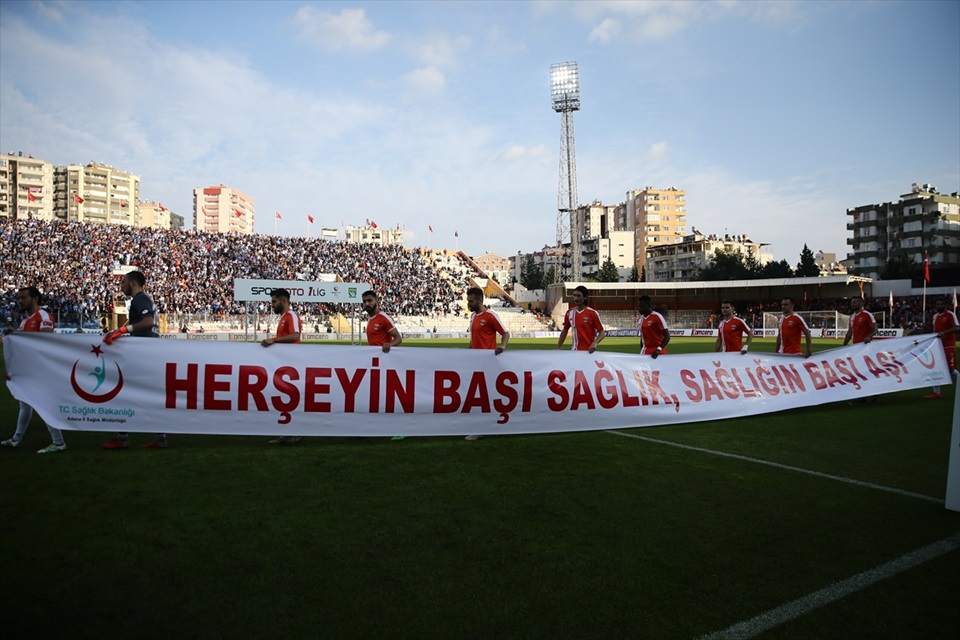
column 943, row 322
column 40, row 321
column 791, row 329
column 378, row 330
column 289, row 323
column 651, row 332
column 585, row 324
column 731, row 334
column 861, row 322
column 484, row 327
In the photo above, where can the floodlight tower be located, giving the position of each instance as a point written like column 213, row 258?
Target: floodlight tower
column 565, row 95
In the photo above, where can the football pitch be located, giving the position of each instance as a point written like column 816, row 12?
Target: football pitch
column 822, row 522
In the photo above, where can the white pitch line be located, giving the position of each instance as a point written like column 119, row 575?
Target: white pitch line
column 784, row 613
column 859, row 483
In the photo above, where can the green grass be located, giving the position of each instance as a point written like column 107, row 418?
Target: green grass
column 578, row 535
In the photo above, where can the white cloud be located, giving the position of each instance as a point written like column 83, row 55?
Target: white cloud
column 605, row 31
column 349, row 30
column 519, row 152
column 658, row 150
column 656, row 20
column 53, row 10
column 438, row 49
column 426, row 79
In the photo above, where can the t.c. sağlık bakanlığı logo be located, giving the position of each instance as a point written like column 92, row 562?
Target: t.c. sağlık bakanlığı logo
column 96, row 379
column 927, row 350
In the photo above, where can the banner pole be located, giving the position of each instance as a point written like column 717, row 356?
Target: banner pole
column 952, row 501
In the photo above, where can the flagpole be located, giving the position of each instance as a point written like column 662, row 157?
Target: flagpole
column 923, row 318
column 926, row 277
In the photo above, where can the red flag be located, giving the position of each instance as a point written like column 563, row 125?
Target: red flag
column 160, row 204
column 926, row 268
column 31, row 197
column 430, row 228
column 309, row 218
column 277, row 213
column 237, row 211
column 373, row 224
column 78, row 199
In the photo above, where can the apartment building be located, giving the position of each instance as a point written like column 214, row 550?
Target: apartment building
column 495, row 266
column 96, row 193
column 923, row 220
column 222, row 209
column 26, row 187
column 659, row 218
column 155, row 216
column 682, row 260
column 370, row 233
column 616, row 246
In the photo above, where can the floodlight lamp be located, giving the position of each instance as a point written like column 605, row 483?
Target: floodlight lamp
column 565, row 86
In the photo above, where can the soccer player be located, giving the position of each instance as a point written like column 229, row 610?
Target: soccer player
column 654, row 335
column 288, row 332
column 732, row 329
column 585, row 321
column 789, row 329
column 946, row 325
column 484, row 327
column 141, row 323
column 862, row 326
column 381, row 331
column 34, row 319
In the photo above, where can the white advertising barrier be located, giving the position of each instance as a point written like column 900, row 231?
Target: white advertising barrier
column 333, row 292
column 138, row 384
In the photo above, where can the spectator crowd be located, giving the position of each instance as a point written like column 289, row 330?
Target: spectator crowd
column 192, row 272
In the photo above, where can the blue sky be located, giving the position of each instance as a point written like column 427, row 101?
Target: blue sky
column 774, row 117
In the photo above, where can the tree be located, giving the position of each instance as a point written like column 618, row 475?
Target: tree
column 608, row 272
column 807, row 265
column 634, row 275
column 725, row 265
column 551, row 277
column 898, row 268
column 777, row 270
column 531, row 274
column 754, row 268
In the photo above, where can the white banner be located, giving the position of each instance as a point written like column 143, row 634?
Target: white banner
column 138, row 384
column 333, row 292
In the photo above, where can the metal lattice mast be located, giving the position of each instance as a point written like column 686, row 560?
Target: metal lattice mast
column 565, row 96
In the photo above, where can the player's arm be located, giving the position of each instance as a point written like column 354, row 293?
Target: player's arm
column 808, row 345
column 871, row 333
column 504, row 339
column 395, row 339
column 290, row 337
column 600, row 336
column 718, row 345
column 563, row 335
column 954, row 329
column 749, row 333
column 777, row 346
column 664, row 341
column 849, row 335
column 143, row 324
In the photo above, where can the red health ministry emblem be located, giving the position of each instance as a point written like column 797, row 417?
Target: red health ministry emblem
column 99, row 374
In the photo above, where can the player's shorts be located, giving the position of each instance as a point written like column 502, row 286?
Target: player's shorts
column 951, row 358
